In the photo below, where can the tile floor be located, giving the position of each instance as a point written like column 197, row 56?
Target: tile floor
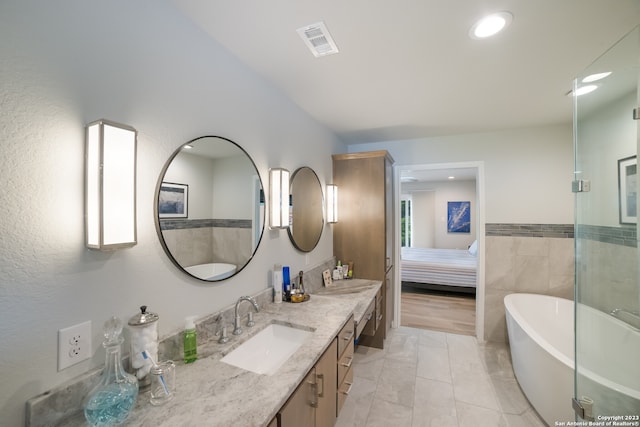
column 430, row 378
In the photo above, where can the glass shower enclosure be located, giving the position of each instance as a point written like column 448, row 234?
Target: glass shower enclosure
column 607, row 291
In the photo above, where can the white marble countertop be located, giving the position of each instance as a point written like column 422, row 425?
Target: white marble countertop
column 212, row 393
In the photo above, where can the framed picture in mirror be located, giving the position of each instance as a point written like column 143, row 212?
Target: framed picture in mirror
column 173, row 200
column 628, row 190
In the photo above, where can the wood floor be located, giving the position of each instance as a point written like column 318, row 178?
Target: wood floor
column 438, row 311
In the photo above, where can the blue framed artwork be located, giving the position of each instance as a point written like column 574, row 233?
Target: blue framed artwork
column 459, row 217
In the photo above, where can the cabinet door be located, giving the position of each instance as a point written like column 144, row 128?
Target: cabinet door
column 300, row 408
column 327, row 383
column 359, row 234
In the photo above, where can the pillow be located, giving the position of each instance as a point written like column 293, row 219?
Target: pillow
column 473, row 249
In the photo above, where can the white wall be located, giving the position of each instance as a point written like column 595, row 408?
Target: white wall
column 423, row 219
column 64, row 64
column 233, row 180
column 430, row 205
column 528, row 172
column 197, row 173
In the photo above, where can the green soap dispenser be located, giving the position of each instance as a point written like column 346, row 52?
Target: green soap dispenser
column 190, row 341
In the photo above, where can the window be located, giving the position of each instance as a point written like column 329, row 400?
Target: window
column 405, row 221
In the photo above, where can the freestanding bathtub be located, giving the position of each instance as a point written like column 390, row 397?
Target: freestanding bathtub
column 212, row 270
column 541, row 338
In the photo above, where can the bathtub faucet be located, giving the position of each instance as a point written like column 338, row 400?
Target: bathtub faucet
column 630, row 317
column 237, row 330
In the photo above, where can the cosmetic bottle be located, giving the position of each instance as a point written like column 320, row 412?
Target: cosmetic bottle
column 189, row 341
column 300, row 284
column 286, row 283
column 277, row 284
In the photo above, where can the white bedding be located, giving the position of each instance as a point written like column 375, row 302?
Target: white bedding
column 452, row 267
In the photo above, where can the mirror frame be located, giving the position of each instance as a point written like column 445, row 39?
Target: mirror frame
column 322, row 196
column 163, row 172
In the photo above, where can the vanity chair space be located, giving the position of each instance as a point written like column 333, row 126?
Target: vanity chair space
column 363, row 234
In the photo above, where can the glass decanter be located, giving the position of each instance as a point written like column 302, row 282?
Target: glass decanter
column 111, row 401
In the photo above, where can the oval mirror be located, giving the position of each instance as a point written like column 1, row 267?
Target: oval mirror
column 210, row 208
column 307, row 213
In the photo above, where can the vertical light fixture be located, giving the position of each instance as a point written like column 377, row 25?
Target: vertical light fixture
column 279, row 198
column 332, row 203
column 110, row 186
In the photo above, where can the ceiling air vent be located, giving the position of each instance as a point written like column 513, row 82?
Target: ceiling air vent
column 318, row 39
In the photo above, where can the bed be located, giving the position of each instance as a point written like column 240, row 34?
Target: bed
column 445, row 269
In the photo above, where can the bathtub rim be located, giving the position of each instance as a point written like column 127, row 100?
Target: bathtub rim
column 510, row 310
column 228, row 272
column 524, row 324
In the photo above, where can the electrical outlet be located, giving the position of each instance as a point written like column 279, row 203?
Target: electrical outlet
column 74, row 344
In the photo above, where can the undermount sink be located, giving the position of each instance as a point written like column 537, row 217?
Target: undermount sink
column 266, row 351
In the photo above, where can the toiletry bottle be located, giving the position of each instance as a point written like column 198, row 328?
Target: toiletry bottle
column 277, row 284
column 300, row 284
column 190, row 341
column 286, row 283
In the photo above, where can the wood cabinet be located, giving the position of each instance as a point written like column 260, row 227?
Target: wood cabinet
column 300, row 409
column 364, row 231
column 314, row 401
column 327, row 386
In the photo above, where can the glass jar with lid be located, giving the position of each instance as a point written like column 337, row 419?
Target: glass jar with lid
column 144, row 337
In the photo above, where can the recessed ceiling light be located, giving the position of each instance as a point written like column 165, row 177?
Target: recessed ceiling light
column 490, row 25
column 595, row 77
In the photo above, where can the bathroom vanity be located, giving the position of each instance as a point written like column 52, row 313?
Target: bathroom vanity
column 211, row 392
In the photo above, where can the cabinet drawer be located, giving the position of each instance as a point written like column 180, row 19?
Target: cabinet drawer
column 344, row 389
column 344, row 363
column 378, row 312
column 345, row 337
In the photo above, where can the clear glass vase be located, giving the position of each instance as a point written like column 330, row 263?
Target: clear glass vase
column 111, row 401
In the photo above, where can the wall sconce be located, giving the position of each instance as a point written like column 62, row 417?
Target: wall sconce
column 110, row 186
column 279, row 198
column 332, row 203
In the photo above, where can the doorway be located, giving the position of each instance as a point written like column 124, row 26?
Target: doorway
column 412, row 200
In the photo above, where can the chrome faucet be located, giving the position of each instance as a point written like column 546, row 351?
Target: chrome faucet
column 237, row 330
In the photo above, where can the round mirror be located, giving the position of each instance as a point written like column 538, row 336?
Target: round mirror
column 307, row 218
column 210, row 208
